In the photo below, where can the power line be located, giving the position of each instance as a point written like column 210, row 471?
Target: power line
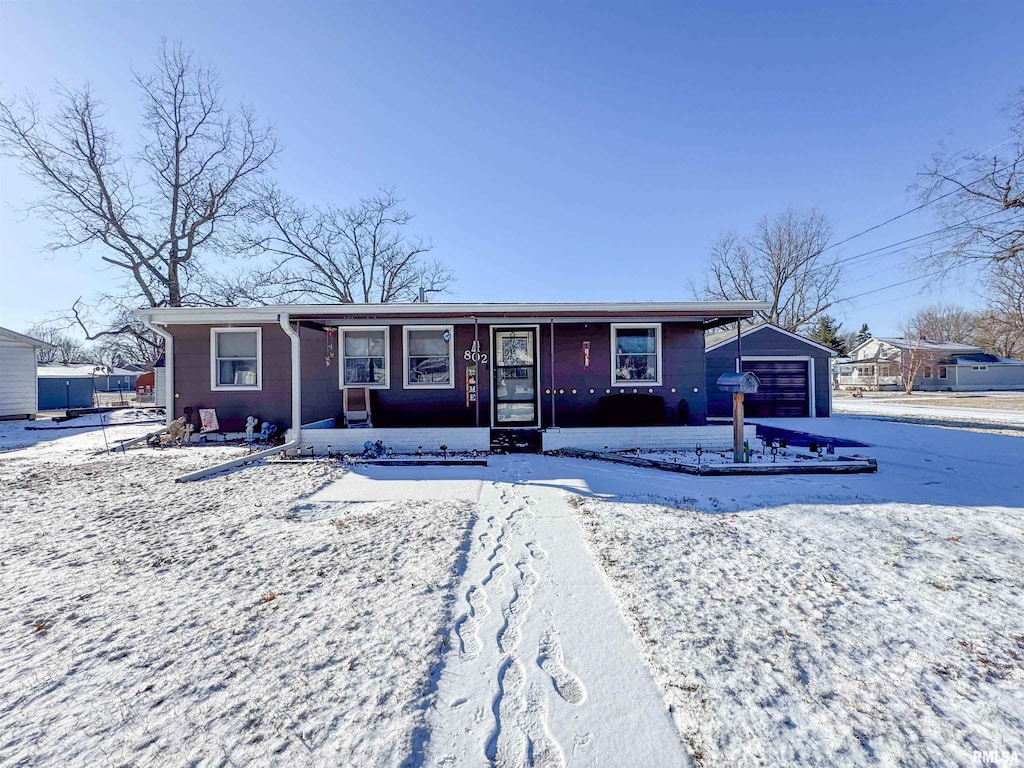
column 934, row 199
column 902, row 282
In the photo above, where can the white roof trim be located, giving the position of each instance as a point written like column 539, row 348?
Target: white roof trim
column 269, row 314
column 22, row 338
column 783, row 331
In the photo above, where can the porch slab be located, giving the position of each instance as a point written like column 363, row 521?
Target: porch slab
column 400, row 440
column 711, row 437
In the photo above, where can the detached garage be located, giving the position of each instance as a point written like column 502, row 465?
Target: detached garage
column 65, row 386
column 18, row 375
column 794, row 373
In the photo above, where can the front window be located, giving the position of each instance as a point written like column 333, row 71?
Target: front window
column 429, row 360
column 636, row 354
column 364, row 357
column 942, row 372
column 236, row 358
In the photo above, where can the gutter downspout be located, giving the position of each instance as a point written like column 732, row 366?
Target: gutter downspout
column 168, row 367
column 295, row 433
column 296, row 430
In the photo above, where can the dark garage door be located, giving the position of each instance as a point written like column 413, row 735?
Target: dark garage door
column 784, row 388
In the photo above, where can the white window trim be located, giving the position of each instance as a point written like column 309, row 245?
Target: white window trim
column 405, row 357
column 214, row 386
column 387, row 356
column 615, row 382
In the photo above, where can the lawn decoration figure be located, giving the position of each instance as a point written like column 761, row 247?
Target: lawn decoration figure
column 178, row 431
column 268, row 430
column 374, row 450
column 250, row 428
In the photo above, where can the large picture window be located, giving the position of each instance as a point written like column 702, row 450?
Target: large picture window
column 364, row 357
column 236, row 358
column 636, row 354
column 429, row 358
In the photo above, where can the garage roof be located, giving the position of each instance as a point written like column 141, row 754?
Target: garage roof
column 721, row 338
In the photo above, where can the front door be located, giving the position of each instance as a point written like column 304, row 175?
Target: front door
column 515, row 377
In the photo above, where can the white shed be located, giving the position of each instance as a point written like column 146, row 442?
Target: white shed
column 18, row 375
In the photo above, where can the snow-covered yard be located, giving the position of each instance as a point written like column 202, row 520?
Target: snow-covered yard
column 541, row 611
column 858, row 620
column 225, row 622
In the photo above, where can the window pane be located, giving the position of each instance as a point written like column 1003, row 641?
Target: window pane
column 637, row 341
column 428, row 370
column 516, row 412
column 236, row 373
column 364, row 343
column 515, row 350
column 514, row 384
column 636, row 367
column 236, row 344
column 364, row 370
column 428, row 343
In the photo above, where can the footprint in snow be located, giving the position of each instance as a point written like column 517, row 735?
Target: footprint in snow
column 466, row 628
column 536, row 552
column 550, row 659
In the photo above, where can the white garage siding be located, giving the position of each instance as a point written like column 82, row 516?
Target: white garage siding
column 17, row 379
column 160, row 386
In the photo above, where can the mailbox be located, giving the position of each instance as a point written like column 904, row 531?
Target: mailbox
column 746, row 383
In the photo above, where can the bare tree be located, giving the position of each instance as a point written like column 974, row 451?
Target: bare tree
column 152, row 215
column 355, row 254
column 1001, row 327
column 980, row 199
column 784, row 263
column 946, row 322
column 63, row 346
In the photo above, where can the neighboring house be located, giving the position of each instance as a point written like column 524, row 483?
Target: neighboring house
column 973, row 372
column 793, row 371
column 884, row 364
column 110, row 379
column 63, row 386
column 18, row 377
column 467, row 375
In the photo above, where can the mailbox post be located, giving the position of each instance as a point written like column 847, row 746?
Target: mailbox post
column 738, row 384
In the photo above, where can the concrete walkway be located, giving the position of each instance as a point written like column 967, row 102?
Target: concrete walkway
column 543, row 669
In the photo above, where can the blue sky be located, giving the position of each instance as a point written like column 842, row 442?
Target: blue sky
column 557, row 151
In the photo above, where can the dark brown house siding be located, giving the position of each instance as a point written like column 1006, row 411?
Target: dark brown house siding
column 193, row 385
column 683, row 370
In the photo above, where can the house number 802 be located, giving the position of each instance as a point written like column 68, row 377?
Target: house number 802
column 476, row 357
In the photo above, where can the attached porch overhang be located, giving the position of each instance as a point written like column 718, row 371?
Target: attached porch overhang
column 708, row 314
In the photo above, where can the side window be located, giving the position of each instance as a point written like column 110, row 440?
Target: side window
column 236, row 358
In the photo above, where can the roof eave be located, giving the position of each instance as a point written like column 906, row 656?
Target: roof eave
column 705, row 312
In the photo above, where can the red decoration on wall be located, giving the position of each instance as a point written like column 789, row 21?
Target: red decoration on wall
column 586, row 354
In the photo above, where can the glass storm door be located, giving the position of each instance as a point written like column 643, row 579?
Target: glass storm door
column 515, row 378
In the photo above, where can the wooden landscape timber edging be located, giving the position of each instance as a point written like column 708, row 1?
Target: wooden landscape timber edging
column 843, row 465
column 423, row 462
column 392, row 462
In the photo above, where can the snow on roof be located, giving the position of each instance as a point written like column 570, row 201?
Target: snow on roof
column 61, row 371
column 931, row 346
column 79, row 370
